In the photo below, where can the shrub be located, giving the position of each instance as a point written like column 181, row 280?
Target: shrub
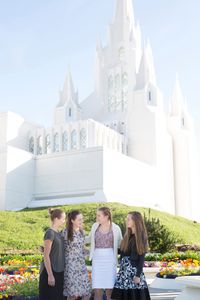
column 161, row 239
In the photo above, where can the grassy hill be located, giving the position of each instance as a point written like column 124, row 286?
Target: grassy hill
column 24, row 230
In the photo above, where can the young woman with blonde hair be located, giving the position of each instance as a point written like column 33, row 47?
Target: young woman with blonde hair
column 105, row 238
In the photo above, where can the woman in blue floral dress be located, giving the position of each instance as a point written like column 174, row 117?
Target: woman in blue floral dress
column 76, row 279
column 130, row 283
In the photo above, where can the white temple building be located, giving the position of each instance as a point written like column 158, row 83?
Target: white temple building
column 117, row 145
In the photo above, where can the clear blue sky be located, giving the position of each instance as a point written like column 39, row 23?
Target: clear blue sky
column 39, row 39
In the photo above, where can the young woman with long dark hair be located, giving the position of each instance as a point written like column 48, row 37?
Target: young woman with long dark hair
column 76, row 279
column 130, row 283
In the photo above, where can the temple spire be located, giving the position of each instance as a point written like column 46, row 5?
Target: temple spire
column 124, row 20
column 68, row 92
column 124, row 10
column 146, row 72
column 177, row 101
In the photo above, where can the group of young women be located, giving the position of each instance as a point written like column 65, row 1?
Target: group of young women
column 64, row 273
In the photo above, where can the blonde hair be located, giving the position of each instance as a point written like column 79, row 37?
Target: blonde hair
column 140, row 234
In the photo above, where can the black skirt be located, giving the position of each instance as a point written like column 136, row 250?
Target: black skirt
column 125, row 288
column 47, row 292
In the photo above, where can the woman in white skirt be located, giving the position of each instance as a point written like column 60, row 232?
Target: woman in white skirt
column 105, row 240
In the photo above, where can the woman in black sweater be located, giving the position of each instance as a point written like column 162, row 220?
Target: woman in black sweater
column 130, row 283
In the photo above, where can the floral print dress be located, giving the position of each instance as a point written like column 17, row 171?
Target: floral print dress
column 76, row 279
column 131, row 266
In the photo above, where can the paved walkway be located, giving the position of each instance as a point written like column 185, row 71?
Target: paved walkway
column 158, row 294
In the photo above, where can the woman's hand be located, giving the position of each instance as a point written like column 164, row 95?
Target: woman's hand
column 41, row 249
column 51, row 280
column 136, row 280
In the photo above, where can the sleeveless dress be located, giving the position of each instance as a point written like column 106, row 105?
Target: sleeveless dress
column 76, row 279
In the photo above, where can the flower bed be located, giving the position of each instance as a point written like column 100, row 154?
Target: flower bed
column 177, row 268
column 18, row 258
column 19, row 279
column 19, row 274
column 171, row 269
column 13, row 286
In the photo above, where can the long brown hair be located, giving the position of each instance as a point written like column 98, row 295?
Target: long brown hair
column 71, row 216
column 106, row 212
column 140, row 234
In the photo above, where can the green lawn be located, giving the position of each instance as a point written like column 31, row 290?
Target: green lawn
column 24, row 230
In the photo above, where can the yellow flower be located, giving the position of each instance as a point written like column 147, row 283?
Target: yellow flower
column 35, row 271
column 170, row 264
column 196, row 262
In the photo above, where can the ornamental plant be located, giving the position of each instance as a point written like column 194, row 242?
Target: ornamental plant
column 179, row 268
column 28, row 288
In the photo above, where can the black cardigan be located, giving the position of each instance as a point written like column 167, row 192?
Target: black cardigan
column 137, row 260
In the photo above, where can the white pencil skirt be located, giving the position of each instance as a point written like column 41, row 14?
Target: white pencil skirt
column 104, row 268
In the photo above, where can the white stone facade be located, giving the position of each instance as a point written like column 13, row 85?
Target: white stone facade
column 75, row 136
column 118, row 144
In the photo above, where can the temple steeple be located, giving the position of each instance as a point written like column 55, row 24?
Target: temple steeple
column 124, row 11
column 68, row 108
column 123, row 25
column 68, row 93
column 146, row 72
column 177, row 101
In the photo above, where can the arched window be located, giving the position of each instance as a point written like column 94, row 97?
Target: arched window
column 110, row 93
column 47, row 144
column 122, row 128
column 117, row 105
column 83, row 137
column 31, row 144
column 74, row 139
column 65, row 141
column 39, row 145
column 149, row 96
column 124, row 91
column 122, row 147
column 56, row 142
column 121, row 53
